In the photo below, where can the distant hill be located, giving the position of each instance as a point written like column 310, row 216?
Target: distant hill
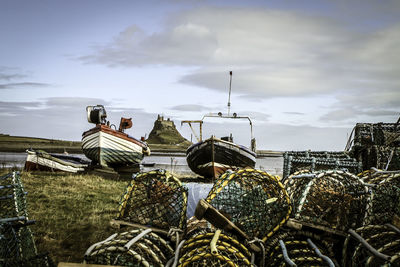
column 9, row 143
column 164, row 132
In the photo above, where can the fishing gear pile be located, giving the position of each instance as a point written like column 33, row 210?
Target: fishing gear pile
column 213, row 249
column 294, row 161
column 299, row 248
column 17, row 246
column 155, row 199
column 138, row 247
column 255, row 201
column 372, row 245
column 334, row 199
column 384, row 195
column 376, row 145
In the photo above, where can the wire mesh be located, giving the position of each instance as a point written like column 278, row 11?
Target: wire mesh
column 296, row 246
column 335, row 199
column 211, row 247
column 253, row 200
column 12, row 196
column 377, row 145
column 383, row 239
column 137, row 247
column 318, row 161
column 156, row 199
column 384, row 198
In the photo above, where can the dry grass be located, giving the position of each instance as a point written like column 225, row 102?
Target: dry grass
column 71, row 211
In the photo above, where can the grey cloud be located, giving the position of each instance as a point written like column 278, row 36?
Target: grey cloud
column 190, row 108
column 294, row 113
column 23, row 85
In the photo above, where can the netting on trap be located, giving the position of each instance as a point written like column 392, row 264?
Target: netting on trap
column 16, row 236
column 213, row 248
column 384, row 196
column 294, row 163
column 387, row 134
column 253, row 200
column 12, row 196
column 335, row 199
column 156, row 199
column 372, row 245
column 136, row 247
column 299, row 248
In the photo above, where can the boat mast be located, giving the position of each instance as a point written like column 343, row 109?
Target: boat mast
column 230, row 88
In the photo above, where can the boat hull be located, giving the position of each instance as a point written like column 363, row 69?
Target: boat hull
column 212, row 157
column 42, row 161
column 110, row 148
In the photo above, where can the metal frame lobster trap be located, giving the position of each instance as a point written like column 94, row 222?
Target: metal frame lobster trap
column 17, row 246
column 376, row 145
column 383, row 204
column 136, row 247
column 294, row 161
column 154, row 199
column 333, row 199
column 372, row 245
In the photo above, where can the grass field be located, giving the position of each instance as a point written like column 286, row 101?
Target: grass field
column 72, row 212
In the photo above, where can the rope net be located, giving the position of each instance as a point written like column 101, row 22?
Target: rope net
column 335, row 199
column 253, row 200
column 384, row 196
column 156, row 199
column 137, row 247
column 211, row 247
column 384, row 240
column 377, row 145
column 317, row 161
column 17, row 246
column 297, row 246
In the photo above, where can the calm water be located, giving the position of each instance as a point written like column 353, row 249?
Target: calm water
column 174, row 163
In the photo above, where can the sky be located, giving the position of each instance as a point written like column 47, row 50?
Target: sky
column 304, row 71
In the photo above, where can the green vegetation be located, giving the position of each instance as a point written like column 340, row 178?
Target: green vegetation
column 20, row 144
column 72, row 212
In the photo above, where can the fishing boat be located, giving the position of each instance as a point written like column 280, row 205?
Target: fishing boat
column 110, row 147
column 213, row 156
column 43, row 161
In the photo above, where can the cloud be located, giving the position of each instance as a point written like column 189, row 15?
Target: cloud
column 23, row 85
column 190, row 108
column 7, row 73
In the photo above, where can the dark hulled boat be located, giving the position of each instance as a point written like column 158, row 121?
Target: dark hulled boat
column 212, row 157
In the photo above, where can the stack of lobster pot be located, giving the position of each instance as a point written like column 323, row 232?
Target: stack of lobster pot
column 242, row 210
column 154, row 207
column 314, row 161
column 376, row 145
column 17, row 246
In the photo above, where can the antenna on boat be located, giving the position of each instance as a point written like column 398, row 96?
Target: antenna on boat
column 230, row 88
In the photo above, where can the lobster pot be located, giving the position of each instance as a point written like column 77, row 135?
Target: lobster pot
column 253, row 200
column 384, row 198
column 335, row 199
column 299, row 247
column 213, row 248
column 383, row 242
column 12, row 196
column 137, row 247
column 156, row 199
column 293, row 163
column 9, row 246
column 13, row 211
